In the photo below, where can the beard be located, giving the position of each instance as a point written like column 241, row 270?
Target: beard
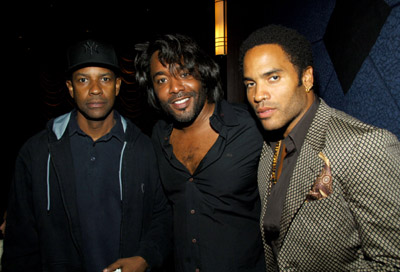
column 187, row 115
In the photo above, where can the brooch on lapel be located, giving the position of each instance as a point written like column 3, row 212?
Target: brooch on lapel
column 322, row 187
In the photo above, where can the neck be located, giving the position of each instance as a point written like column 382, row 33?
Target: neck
column 310, row 97
column 95, row 128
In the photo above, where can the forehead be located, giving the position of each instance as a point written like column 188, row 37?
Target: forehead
column 266, row 55
column 157, row 67
column 93, row 70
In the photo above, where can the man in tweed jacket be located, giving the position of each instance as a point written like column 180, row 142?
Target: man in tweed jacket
column 329, row 184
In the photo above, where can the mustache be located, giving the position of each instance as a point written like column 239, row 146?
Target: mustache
column 181, row 94
column 96, row 100
column 264, row 104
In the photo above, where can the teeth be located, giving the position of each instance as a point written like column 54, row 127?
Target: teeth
column 181, row 101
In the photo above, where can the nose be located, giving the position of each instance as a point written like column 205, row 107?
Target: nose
column 176, row 85
column 95, row 89
column 261, row 93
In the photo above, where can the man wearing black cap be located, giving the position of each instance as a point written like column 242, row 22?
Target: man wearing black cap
column 86, row 190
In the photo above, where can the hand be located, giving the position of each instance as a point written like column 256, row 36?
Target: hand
column 132, row 264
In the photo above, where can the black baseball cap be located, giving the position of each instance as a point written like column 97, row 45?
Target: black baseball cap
column 91, row 53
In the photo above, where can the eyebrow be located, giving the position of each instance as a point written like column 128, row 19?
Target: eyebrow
column 173, row 73
column 159, row 73
column 268, row 73
column 88, row 74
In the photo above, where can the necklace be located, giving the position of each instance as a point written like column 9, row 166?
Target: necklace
column 273, row 178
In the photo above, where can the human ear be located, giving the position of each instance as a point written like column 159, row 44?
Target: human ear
column 118, row 82
column 308, row 77
column 70, row 88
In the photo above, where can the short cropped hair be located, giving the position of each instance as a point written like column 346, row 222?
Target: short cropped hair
column 182, row 52
column 295, row 45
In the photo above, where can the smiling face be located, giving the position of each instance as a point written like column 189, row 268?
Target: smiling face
column 94, row 90
column 180, row 94
column 273, row 88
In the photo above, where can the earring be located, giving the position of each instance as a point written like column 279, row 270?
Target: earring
column 308, row 89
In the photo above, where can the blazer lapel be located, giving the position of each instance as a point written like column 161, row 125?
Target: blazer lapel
column 304, row 175
column 264, row 172
column 307, row 168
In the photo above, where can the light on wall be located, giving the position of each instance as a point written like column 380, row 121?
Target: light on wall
column 220, row 28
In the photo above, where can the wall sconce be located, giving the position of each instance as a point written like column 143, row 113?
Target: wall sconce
column 220, row 28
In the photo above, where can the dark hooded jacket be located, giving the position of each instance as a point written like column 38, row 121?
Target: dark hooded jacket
column 43, row 232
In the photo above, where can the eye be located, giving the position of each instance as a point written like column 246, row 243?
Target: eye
column 161, row 80
column 274, row 78
column 185, row 74
column 249, row 84
column 82, row 80
column 106, row 78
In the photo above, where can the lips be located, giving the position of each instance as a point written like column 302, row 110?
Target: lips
column 95, row 104
column 265, row 112
column 181, row 103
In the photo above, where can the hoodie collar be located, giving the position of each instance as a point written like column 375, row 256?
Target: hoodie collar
column 60, row 123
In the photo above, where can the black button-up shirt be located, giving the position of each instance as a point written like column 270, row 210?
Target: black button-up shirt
column 217, row 209
column 96, row 166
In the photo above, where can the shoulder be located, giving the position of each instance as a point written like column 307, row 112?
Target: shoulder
column 238, row 124
column 238, row 108
column 238, row 113
column 161, row 125
column 35, row 147
column 339, row 124
column 135, row 135
column 160, row 129
column 38, row 138
column 345, row 130
column 348, row 126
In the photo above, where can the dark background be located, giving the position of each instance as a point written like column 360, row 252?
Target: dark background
column 356, row 48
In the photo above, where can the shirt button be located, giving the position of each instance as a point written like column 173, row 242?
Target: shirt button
column 92, row 158
column 194, row 241
column 191, row 179
column 192, row 211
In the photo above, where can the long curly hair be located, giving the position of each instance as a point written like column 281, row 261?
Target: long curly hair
column 177, row 51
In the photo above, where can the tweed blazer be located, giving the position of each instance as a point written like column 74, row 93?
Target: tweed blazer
column 355, row 228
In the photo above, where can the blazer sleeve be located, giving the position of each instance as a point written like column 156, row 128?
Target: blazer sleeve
column 373, row 193
column 21, row 243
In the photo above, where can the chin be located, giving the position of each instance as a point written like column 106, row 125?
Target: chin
column 184, row 118
column 184, row 115
column 269, row 127
column 96, row 116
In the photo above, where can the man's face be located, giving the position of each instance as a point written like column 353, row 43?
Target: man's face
column 180, row 94
column 272, row 87
column 94, row 90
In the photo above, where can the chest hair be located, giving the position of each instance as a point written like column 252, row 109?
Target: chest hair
column 190, row 148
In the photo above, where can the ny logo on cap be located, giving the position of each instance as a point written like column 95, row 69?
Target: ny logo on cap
column 91, row 47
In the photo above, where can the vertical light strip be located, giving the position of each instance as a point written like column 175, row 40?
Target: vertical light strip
column 220, row 28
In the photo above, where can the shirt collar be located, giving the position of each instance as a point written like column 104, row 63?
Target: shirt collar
column 223, row 116
column 117, row 131
column 296, row 137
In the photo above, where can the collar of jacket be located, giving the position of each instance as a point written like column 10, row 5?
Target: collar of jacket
column 60, row 124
